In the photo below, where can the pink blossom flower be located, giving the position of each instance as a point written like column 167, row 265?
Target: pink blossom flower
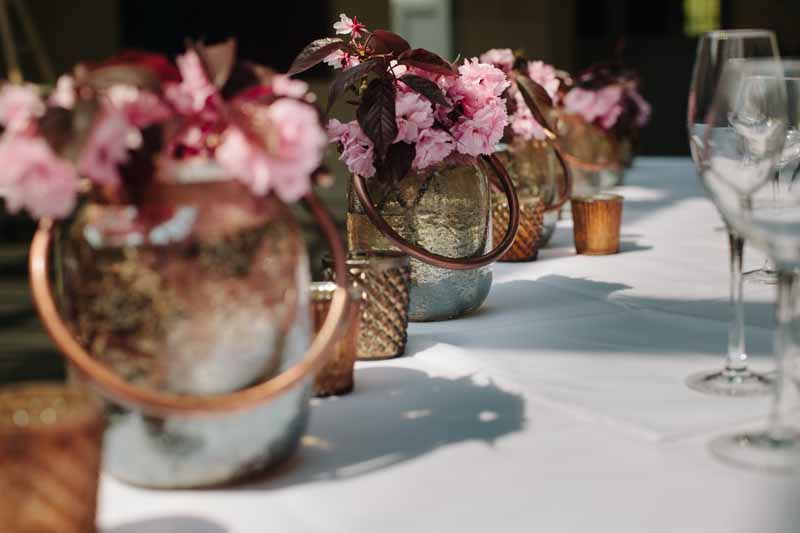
column 544, row 75
column 34, row 178
column 480, row 133
column 347, row 26
column 248, row 163
column 141, row 108
column 64, row 93
column 193, row 94
column 433, row 146
column 19, row 106
column 522, row 122
column 283, row 158
column 502, row 58
column 643, row 109
column 106, row 148
column 357, row 150
column 603, row 106
column 414, row 114
column 295, row 147
column 283, row 85
column 341, row 59
column 474, row 73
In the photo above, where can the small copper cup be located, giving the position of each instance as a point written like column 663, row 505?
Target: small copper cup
column 596, row 222
column 384, row 277
column 531, row 222
column 50, row 455
column 336, row 376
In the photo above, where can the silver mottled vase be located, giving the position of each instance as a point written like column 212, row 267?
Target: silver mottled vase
column 447, row 210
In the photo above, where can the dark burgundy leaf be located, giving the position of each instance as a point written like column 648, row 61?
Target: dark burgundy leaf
column 421, row 58
column 398, row 161
column 385, row 42
column 218, row 60
column 56, row 127
column 376, row 115
column 314, row 53
column 426, row 88
column 346, row 78
column 536, row 98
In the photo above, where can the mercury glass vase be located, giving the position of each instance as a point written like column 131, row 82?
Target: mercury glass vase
column 534, row 169
column 202, row 289
column 447, row 210
column 594, row 155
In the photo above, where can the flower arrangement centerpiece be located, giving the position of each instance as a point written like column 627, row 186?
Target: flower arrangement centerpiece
column 603, row 110
column 419, row 150
column 182, row 271
column 527, row 150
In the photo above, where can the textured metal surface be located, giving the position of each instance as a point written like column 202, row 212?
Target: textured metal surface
column 50, row 455
column 336, row 376
column 213, row 304
column 596, row 222
column 447, row 211
column 595, row 156
column 384, row 279
column 531, row 219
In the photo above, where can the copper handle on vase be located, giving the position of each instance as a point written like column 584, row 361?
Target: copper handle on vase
column 160, row 403
column 502, row 179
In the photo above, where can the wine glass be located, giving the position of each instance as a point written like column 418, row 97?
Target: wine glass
column 714, row 51
column 751, row 129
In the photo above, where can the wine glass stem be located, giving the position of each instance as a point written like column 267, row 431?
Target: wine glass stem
column 784, row 395
column 737, row 358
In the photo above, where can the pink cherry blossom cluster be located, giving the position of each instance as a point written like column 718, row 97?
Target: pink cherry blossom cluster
column 605, row 106
column 277, row 156
column 39, row 180
column 522, row 122
column 280, row 157
column 432, row 129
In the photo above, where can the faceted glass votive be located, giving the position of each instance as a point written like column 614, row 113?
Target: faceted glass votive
column 596, row 222
column 50, row 455
column 336, row 376
column 531, row 223
column 384, row 278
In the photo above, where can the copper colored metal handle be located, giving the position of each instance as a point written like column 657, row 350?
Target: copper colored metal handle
column 503, row 181
column 159, row 403
column 566, row 192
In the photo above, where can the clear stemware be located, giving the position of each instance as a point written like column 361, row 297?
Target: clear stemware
column 714, row 51
column 751, row 129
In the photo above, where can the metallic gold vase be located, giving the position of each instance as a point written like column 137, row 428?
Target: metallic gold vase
column 384, row 280
column 336, row 375
column 51, row 438
column 534, row 169
column 531, row 225
column 596, row 223
column 593, row 154
column 202, row 290
column 447, row 210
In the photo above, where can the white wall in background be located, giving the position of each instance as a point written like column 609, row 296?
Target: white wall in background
column 425, row 24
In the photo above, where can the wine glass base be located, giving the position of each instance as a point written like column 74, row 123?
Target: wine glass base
column 760, row 450
column 760, row 277
column 731, row 383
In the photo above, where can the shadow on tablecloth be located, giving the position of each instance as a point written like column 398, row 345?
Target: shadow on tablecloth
column 169, row 524
column 394, row 415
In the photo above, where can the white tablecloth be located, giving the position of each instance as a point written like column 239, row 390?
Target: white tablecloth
column 560, row 406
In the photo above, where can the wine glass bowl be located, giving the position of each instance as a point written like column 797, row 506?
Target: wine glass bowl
column 716, row 50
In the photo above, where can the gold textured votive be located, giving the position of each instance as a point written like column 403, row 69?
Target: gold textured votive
column 384, row 278
column 336, row 376
column 50, row 455
column 531, row 221
column 596, row 222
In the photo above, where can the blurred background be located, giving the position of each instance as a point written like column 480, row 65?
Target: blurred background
column 657, row 38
